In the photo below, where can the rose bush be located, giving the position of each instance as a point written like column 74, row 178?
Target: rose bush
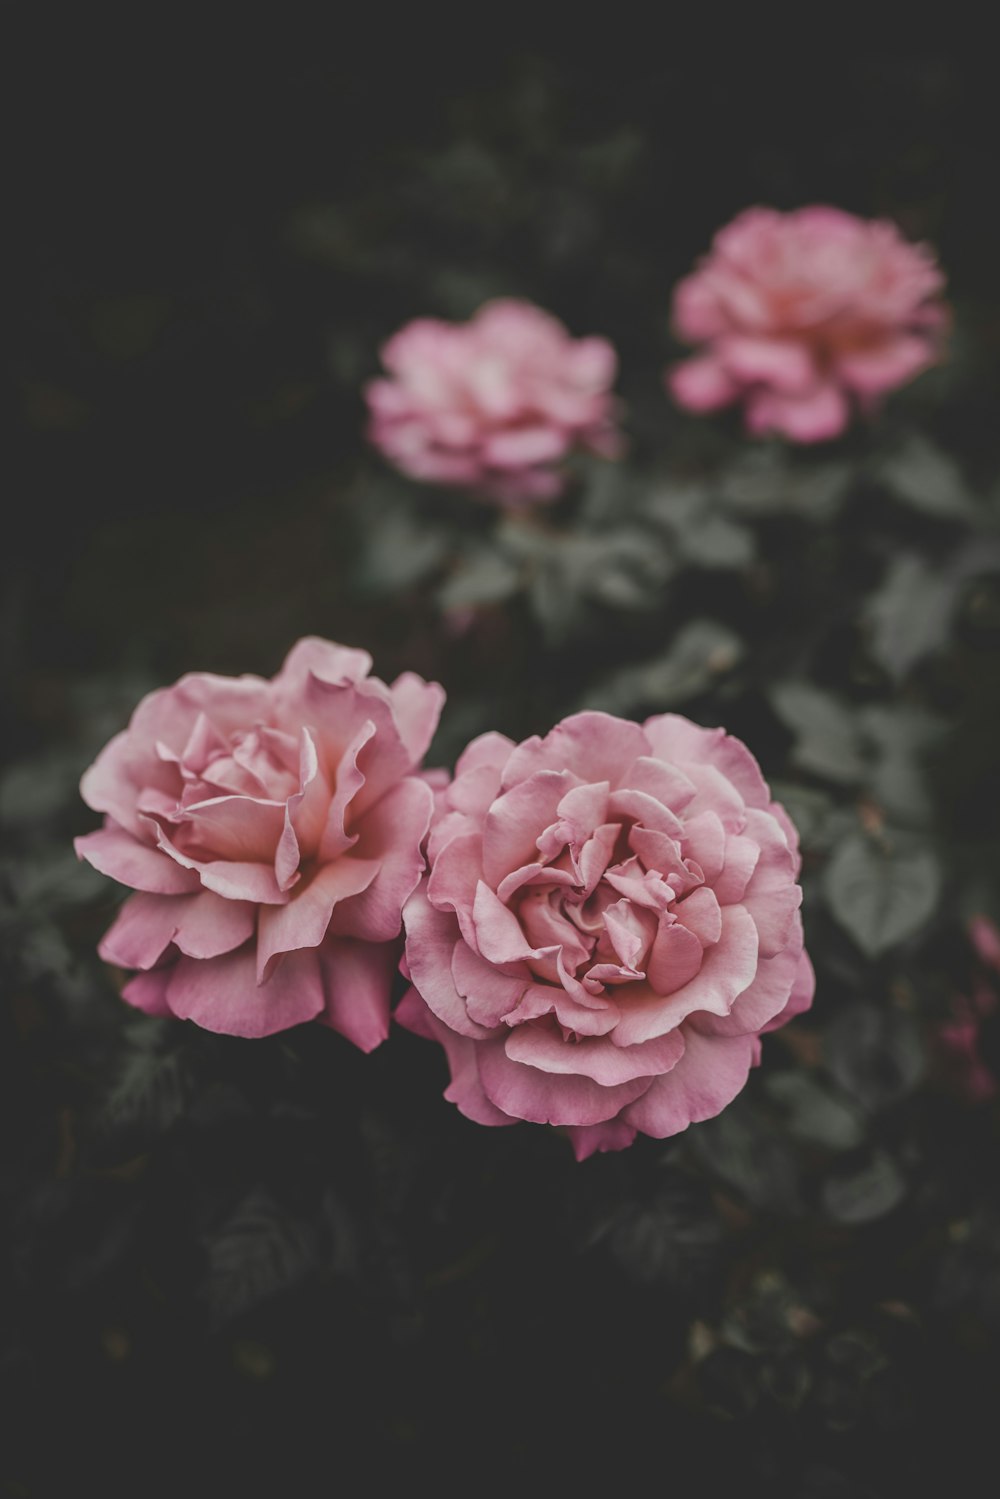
column 609, row 922
column 272, row 831
column 493, row 404
column 799, row 314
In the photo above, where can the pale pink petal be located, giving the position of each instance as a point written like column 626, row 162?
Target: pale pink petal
column 784, row 364
column 490, row 994
column 390, row 835
column 741, row 856
column 431, row 936
column 239, row 829
column 760, row 1003
column 465, row 1090
column 709, row 1075
column 148, row 991
column 453, row 880
column 517, row 819
column 201, row 925
column 124, row 858
column 801, row 997
column 595, row 1057
column 871, row 372
column 519, row 447
column 222, row 994
column 660, row 779
column 674, row 958
column 594, row 746
column 726, row 970
column 416, row 705
column 545, row 1097
column 357, row 982
column 815, row 417
column 304, row 921
column 346, row 780
column 490, row 749
column 613, row 1134
column 676, row 739
column 700, row 913
column 701, row 383
column 336, row 713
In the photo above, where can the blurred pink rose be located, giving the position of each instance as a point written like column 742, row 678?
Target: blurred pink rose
column 493, row 404
column 957, row 1041
column 798, row 313
column 273, row 831
column 610, row 921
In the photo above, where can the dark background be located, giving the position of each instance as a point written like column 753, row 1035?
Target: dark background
column 246, row 1266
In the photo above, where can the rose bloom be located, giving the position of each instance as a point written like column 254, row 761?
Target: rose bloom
column 610, row 921
column 797, row 314
column 493, row 404
column 272, row 831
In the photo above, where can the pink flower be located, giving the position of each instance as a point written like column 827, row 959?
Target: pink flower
column 273, row 831
column 494, row 404
column 798, row 313
column 611, row 920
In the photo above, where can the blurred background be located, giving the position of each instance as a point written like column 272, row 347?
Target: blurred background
column 250, row 1269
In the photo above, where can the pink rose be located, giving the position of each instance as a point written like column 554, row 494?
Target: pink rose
column 610, row 921
column 494, row 404
column 799, row 312
column 273, row 831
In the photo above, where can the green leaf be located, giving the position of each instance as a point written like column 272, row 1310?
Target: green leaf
column 866, row 1194
column 899, row 737
column 485, row 577
column 815, row 1114
column 923, row 476
column 766, row 481
column 827, row 741
column 874, row 1053
column 881, row 894
column 701, row 652
column 910, row 614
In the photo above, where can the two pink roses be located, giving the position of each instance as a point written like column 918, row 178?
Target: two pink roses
column 799, row 318
column 599, row 925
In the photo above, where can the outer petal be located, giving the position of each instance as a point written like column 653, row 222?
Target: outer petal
column 357, row 983
column 594, row 746
column 124, row 858
column 323, row 659
column 801, row 996
column 201, row 925
column 148, row 991
column 585, row 1139
column 465, row 1090
column 416, row 705
column 431, row 937
column 709, row 1075
column 783, row 364
column 808, row 418
column 548, row 1098
column 872, row 372
column 702, row 383
column 222, row 994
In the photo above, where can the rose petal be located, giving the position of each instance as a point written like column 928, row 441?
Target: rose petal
column 709, row 1075
column 548, row 1098
column 222, row 994
column 357, row 982
column 124, row 858
column 465, row 1090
